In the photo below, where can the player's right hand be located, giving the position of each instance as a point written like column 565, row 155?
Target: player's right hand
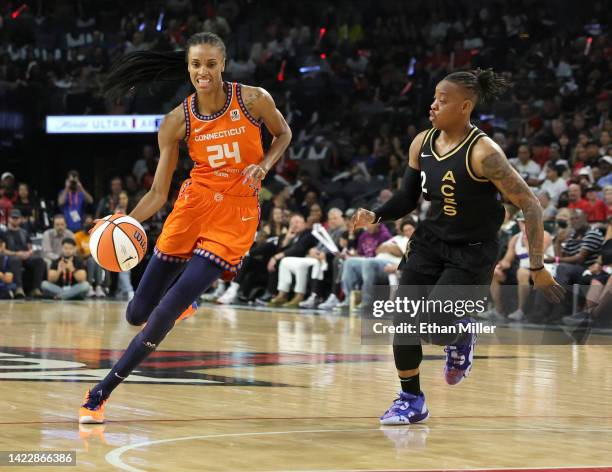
column 362, row 218
column 545, row 283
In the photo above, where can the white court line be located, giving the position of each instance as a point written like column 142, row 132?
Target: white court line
column 114, row 457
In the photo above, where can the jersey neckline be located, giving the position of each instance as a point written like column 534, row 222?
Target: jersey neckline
column 228, row 100
column 436, row 133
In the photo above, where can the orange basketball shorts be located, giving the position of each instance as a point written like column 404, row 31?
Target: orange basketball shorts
column 217, row 226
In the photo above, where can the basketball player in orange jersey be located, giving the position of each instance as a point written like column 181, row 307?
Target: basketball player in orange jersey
column 216, row 214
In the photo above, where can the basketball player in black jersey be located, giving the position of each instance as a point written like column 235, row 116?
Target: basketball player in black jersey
column 461, row 171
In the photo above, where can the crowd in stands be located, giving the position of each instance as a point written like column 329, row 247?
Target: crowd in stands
column 354, row 80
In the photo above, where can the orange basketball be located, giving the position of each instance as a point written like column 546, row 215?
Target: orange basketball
column 118, row 242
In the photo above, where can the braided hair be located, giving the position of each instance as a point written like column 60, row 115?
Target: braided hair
column 484, row 83
column 138, row 68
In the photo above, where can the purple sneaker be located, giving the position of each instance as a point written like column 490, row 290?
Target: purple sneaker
column 407, row 409
column 459, row 359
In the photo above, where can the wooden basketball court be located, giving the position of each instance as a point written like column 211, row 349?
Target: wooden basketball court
column 244, row 390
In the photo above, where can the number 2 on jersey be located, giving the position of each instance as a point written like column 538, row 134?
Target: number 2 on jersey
column 220, row 153
column 423, row 180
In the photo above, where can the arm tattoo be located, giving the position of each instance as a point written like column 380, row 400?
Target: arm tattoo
column 496, row 168
column 249, row 101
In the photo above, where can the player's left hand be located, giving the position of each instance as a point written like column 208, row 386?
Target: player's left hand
column 361, row 218
column 544, row 282
column 253, row 175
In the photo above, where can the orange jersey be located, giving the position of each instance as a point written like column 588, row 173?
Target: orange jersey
column 223, row 144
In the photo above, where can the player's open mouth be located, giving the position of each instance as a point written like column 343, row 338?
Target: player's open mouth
column 203, row 82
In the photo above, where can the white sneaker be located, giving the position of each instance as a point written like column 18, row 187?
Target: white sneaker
column 492, row 314
column 343, row 305
column 517, row 315
column 310, row 302
column 218, row 292
column 91, row 293
column 230, row 296
column 100, row 293
column 330, row 303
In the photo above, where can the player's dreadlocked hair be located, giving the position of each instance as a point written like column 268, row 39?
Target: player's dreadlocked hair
column 484, row 83
column 140, row 68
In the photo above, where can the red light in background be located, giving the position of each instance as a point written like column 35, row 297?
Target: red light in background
column 322, row 32
column 281, row 73
column 323, row 56
column 19, row 11
column 587, row 47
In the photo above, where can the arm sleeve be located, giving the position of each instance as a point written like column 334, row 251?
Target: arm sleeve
column 403, row 200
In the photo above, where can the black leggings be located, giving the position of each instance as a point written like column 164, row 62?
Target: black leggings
column 436, row 265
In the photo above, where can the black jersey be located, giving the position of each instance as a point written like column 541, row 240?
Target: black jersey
column 464, row 208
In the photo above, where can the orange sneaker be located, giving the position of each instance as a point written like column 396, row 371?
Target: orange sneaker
column 92, row 410
column 189, row 312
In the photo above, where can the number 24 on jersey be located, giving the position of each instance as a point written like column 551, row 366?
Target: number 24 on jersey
column 219, row 154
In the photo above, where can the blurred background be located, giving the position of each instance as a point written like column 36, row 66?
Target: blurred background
column 354, row 80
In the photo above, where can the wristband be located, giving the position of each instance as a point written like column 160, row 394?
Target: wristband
column 535, row 269
column 557, row 259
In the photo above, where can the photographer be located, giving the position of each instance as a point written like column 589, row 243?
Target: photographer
column 67, row 277
column 72, row 201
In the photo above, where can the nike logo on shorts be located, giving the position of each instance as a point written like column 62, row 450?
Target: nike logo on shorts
column 247, row 218
column 426, row 155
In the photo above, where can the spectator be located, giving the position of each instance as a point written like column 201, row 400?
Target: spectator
column 53, row 237
column 30, row 210
column 576, row 248
column 19, row 245
column 599, row 297
column 98, row 278
column 513, row 269
column 366, row 246
column 6, row 205
column 72, row 200
column 296, row 244
column 218, row 25
column 368, row 271
column 7, row 183
column 67, row 277
column 596, row 210
column 548, row 208
column 140, row 166
column 108, row 204
column 576, row 202
column 608, row 200
column 605, row 167
column 528, row 169
column 336, row 228
column 554, row 184
column 7, row 271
